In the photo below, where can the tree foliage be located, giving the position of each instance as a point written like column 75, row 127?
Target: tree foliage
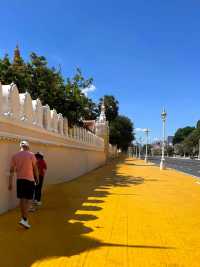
column 41, row 81
column 121, row 127
column 121, row 132
column 170, row 151
column 78, row 106
column 191, row 142
column 65, row 95
column 111, row 107
column 187, row 140
column 181, row 134
column 198, row 124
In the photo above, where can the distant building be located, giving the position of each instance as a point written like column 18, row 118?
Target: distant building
column 157, row 144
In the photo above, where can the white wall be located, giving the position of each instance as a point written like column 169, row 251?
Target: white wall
column 67, row 155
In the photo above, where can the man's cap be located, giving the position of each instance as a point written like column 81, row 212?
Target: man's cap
column 24, row 143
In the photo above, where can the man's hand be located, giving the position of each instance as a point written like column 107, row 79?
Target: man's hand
column 36, row 181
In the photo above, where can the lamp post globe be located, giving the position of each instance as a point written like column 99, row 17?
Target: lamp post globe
column 163, row 117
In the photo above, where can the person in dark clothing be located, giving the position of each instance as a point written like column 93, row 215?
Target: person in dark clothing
column 42, row 167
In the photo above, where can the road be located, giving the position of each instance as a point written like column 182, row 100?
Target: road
column 189, row 166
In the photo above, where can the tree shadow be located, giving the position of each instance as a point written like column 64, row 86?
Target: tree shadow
column 84, row 217
column 94, row 201
column 59, row 226
column 90, row 208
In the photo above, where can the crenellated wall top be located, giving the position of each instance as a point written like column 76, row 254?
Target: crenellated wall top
column 21, row 110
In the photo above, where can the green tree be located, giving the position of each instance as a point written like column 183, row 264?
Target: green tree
column 121, row 132
column 191, row 142
column 46, row 83
column 5, row 70
column 182, row 133
column 111, row 107
column 78, row 106
column 15, row 71
column 66, row 96
column 198, row 124
column 178, row 149
column 19, row 72
column 170, row 151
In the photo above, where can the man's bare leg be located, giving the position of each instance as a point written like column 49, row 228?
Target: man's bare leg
column 25, row 204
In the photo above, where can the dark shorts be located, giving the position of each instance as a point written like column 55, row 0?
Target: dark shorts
column 25, row 189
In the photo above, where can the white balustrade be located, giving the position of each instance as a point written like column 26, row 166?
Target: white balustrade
column 54, row 121
column 70, row 132
column 91, row 138
column 65, row 126
column 60, row 124
column 81, row 130
column 47, row 117
column 85, row 135
column 75, row 132
column 26, row 108
column 37, row 113
column 21, row 107
column 1, row 100
column 88, row 137
column 11, row 104
column 80, row 133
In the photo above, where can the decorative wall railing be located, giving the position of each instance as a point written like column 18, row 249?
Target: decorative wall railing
column 31, row 113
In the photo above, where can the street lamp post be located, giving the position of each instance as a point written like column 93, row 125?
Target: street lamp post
column 139, row 146
column 162, row 162
column 147, row 134
column 136, row 150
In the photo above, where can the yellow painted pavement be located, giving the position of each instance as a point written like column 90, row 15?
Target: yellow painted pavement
column 125, row 214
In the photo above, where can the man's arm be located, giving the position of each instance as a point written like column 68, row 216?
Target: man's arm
column 35, row 169
column 36, row 173
column 45, row 165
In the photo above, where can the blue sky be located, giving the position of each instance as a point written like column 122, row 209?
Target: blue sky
column 145, row 53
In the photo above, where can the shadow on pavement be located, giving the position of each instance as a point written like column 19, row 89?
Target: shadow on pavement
column 59, row 226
